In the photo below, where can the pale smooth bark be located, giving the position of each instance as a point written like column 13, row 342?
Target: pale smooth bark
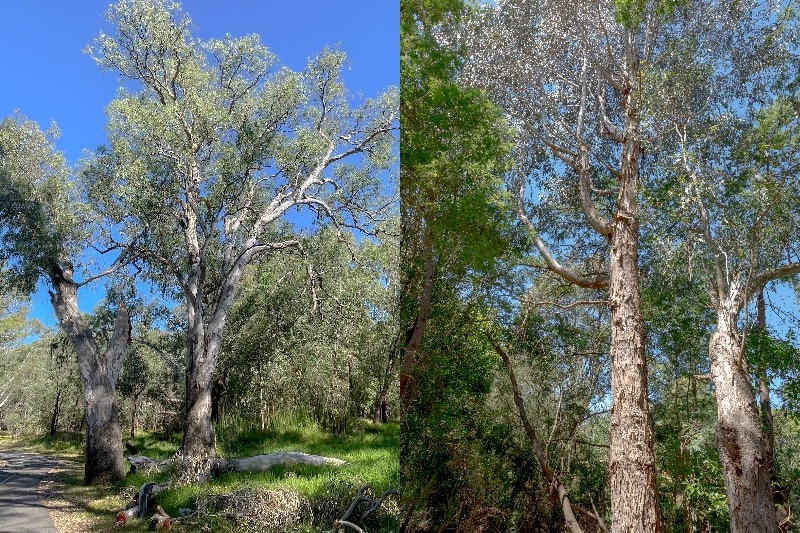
column 255, row 463
column 99, row 372
column 741, row 440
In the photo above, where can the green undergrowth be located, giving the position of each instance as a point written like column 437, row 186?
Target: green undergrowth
column 66, row 444
column 371, row 452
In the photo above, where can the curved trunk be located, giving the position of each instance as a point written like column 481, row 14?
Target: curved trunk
column 740, row 438
column 99, row 374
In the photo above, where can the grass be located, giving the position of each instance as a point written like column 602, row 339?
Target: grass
column 371, row 452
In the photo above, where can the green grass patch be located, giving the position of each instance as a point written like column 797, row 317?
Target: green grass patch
column 154, row 446
column 371, row 452
column 68, row 444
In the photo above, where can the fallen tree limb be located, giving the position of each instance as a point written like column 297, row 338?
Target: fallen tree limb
column 259, row 463
column 256, row 463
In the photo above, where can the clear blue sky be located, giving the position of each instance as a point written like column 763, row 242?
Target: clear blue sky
column 48, row 78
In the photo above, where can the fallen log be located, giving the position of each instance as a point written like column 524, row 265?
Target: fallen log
column 256, row 463
column 260, row 463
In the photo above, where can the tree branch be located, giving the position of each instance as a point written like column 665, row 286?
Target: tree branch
column 557, row 489
column 597, row 281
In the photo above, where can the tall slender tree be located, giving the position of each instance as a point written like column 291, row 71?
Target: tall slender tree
column 595, row 91
column 569, row 77
column 743, row 208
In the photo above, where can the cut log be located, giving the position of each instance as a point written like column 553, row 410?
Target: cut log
column 160, row 521
column 138, row 506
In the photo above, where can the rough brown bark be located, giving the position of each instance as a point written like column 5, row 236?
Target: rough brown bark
column 99, row 373
column 414, row 338
column 740, row 437
column 632, row 467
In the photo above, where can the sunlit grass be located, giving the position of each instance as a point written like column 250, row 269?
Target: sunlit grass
column 371, row 452
column 68, row 444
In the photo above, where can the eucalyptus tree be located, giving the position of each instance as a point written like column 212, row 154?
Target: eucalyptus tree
column 44, row 226
column 736, row 188
column 568, row 75
column 577, row 80
column 214, row 144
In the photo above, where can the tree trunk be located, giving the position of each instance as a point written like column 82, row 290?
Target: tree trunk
column 632, row 467
column 255, row 463
column 198, row 434
column 134, row 409
column 203, row 345
column 104, row 459
column 740, row 437
column 415, row 333
column 55, row 413
column 381, row 411
column 99, row 374
column 765, row 403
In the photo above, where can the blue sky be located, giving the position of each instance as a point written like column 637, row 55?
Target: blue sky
column 49, row 79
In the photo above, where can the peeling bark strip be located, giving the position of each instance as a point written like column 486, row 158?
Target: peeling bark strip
column 99, row 375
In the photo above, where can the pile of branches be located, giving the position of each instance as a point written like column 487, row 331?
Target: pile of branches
column 258, row 510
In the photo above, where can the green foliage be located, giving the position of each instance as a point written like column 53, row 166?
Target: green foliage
column 312, row 333
column 36, row 379
column 41, row 218
column 454, row 148
column 444, row 469
column 631, row 13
